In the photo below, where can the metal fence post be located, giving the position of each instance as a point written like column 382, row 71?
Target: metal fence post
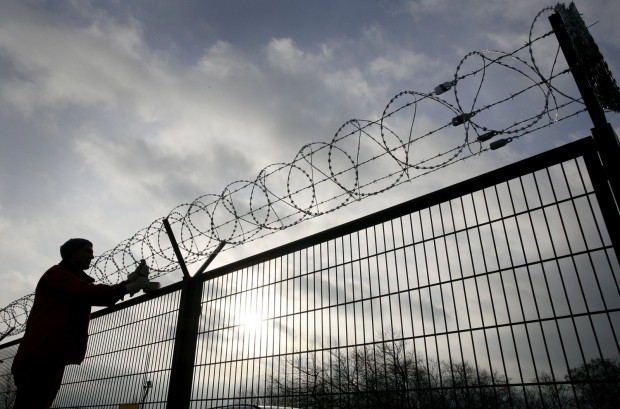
column 182, row 371
column 603, row 133
column 604, row 196
column 184, row 354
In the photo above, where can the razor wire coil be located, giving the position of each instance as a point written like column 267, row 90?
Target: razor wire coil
column 326, row 176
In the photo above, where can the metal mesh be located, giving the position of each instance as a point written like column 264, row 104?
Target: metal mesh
column 129, row 358
column 498, row 298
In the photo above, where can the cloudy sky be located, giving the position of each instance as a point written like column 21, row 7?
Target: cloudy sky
column 115, row 112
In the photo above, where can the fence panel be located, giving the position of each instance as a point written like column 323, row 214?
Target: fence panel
column 498, row 292
column 128, row 359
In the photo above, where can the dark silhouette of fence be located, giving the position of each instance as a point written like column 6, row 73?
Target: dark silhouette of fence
column 500, row 291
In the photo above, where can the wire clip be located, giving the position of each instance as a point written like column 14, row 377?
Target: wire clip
column 441, row 88
column 460, row 119
column 499, row 143
column 485, row 137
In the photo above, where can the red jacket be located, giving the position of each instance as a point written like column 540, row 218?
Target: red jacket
column 57, row 327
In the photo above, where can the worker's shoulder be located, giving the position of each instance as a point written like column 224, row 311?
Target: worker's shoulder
column 55, row 270
column 61, row 272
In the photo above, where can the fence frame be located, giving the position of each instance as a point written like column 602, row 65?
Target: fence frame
column 179, row 392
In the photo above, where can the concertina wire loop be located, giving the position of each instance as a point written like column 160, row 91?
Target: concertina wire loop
column 326, row 176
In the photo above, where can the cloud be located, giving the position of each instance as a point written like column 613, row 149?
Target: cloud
column 284, row 55
column 397, row 67
column 101, row 64
column 223, row 61
column 419, row 7
column 322, row 82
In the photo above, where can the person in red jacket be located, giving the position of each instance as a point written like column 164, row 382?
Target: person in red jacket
column 57, row 328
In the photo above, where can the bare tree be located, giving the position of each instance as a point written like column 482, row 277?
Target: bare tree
column 7, row 392
column 597, row 384
column 385, row 375
column 388, row 375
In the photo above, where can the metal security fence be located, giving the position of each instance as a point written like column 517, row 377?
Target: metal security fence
column 501, row 291
column 498, row 292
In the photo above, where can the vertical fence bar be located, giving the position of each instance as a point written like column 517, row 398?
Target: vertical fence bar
column 182, row 370
column 605, row 198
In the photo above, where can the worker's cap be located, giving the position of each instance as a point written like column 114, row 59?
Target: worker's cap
column 72, row 246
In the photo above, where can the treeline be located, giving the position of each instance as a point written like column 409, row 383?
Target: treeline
column 387, row 376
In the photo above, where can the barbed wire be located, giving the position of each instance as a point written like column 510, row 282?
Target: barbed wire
column 364, row 158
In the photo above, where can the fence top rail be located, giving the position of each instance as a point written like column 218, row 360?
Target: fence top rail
column 138, row 300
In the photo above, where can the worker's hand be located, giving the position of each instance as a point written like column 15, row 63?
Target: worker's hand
column 141, row 271
column 136, row 285
column 139, row 280
column 141, row 283
column 151, row 286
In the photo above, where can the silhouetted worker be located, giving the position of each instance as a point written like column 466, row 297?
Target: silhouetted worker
column 57, row 327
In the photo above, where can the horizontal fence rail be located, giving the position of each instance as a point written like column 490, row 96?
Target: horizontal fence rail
column 501, row 291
